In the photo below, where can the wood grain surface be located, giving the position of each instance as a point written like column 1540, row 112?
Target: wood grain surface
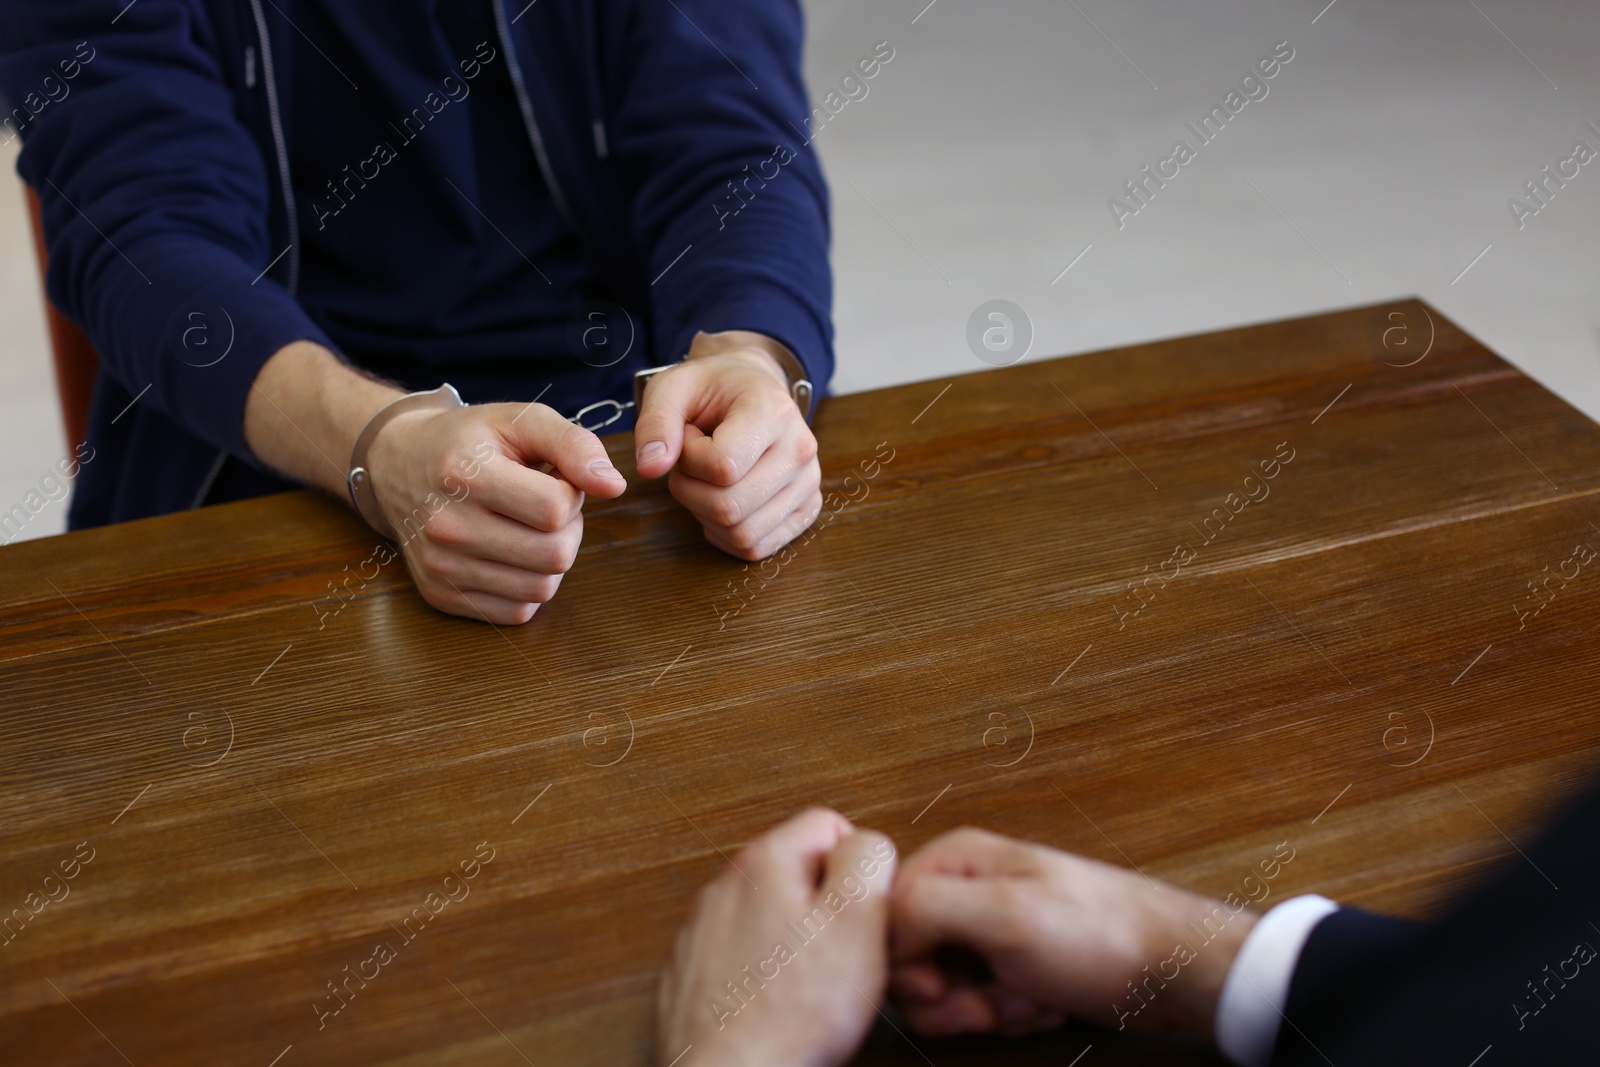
column 1060, row 600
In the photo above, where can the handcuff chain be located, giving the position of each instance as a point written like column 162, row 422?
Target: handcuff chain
column 619, row 407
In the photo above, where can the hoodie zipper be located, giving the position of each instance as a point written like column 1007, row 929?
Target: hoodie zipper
column 528, row 119
column 268, row 75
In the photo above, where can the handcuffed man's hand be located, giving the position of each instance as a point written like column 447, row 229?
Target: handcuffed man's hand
column 741, row 456
column 485, row 534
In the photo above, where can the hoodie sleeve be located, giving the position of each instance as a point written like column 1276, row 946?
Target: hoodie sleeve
column 155, row 201
column 709, row 121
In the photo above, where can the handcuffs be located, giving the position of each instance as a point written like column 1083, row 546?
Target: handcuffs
column 444, row 398
column 799, row 389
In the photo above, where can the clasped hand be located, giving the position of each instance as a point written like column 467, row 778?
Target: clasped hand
column 487, row 535
column 790, row 950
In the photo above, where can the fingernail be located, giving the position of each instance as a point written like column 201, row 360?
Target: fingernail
column 602, row 469
column 651, row 450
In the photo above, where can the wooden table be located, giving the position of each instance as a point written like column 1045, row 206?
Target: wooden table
column 1064, row 600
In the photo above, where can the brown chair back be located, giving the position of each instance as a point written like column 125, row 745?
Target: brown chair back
column 77, row 365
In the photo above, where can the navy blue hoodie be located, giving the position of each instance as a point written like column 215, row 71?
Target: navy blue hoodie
column 669, row 133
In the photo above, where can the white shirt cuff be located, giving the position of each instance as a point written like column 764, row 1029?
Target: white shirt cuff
column 1257, row 987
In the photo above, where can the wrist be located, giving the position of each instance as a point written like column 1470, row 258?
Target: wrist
column 1256, row 992
column 752, row 1056
column 386, row 449
column 380, row 453
column 746, row 346
column 771, row 355
column 1194, row 1004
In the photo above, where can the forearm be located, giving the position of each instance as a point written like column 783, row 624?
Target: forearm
column 306, row 410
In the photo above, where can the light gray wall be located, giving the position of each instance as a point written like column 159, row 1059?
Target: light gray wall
column 1378, row 165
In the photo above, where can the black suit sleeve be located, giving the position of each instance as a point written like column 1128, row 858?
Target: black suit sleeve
column 1338, row 959
column 1510, row 974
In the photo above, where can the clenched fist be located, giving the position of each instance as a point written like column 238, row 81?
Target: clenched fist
column 741, row 456
column 484, row 532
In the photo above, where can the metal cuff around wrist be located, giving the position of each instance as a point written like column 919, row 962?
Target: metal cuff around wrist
column 799, row 381
column 800, row 388
column 359, row 478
